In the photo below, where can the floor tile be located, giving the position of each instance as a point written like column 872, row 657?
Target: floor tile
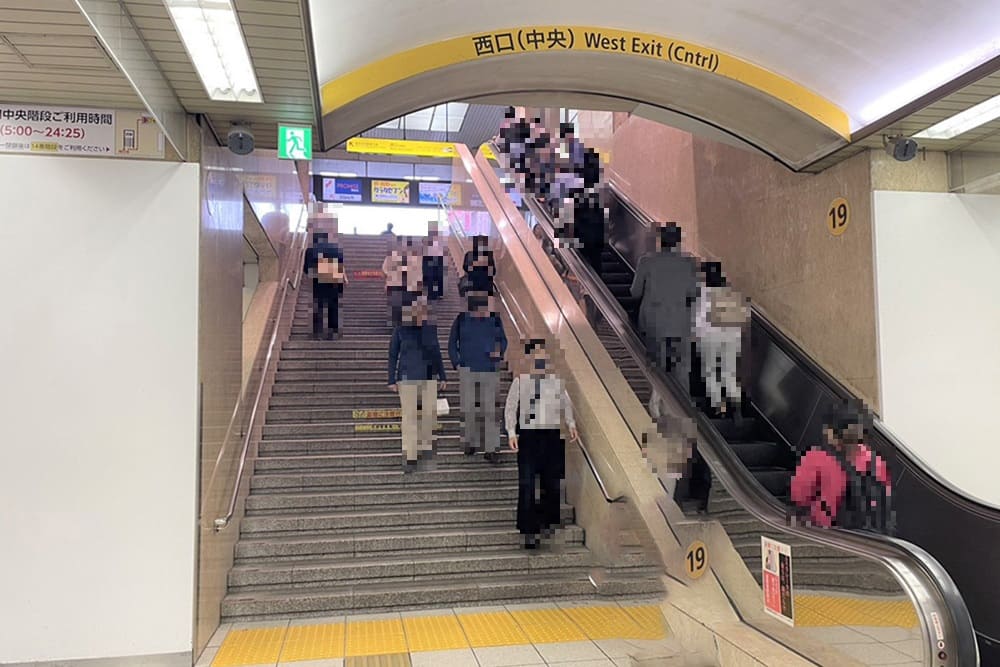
column 375, row 637
column 330, row 662
column 884, row 635
column 604, row 622
column 570, row 652
column 508, row 656
column 492, row 629
column 603, row 662
column 911, row 647
column 434, row 633
column 874, row 653
column 548, row 625
column 623, row 648
column 460, row 658
column 252, row 646
column 838, row 634
column 529, row 606
column 313, row 642
column 318, row 620
column 254, row 625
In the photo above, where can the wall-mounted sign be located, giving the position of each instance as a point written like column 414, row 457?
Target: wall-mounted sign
column 440, row 149
column 342, row 189
column 838, row 215
column 776, row 563
column 391, row 192
column 260, row 187
column 66, row 130
column 137, row 135
column 430, row 193
column 295, row 143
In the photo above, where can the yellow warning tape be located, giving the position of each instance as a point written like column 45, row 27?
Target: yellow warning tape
column 376, row 428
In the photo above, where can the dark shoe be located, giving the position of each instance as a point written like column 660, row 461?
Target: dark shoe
column 409, row 466
column 531, row 541
column 329, row 335
column 469, row 451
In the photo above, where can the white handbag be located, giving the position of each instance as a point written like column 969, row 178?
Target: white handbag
column 442, row 407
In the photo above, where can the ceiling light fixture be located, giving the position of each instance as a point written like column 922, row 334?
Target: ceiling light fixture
column 214, row 41
column 962, row 122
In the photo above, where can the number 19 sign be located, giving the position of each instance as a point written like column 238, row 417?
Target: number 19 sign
column 837, row 216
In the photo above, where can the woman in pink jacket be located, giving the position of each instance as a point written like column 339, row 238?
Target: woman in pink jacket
column 821, row 481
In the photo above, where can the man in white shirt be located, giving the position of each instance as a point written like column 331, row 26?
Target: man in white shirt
column 537, row 404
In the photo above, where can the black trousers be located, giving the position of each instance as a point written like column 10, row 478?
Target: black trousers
column 541, row 468
column 592, row 251
column 326, row 299
column 434, row 277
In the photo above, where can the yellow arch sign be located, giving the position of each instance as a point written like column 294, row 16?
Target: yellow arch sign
column 539, row 39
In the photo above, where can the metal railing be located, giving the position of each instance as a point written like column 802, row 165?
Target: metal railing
column 293, row 268
column 456, row 230
column 940, row 607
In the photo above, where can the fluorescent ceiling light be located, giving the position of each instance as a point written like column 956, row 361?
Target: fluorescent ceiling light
column 211, row 34
column 442, row 118
column 962, row 122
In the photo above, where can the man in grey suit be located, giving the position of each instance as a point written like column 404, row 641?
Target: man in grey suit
column 666, row 282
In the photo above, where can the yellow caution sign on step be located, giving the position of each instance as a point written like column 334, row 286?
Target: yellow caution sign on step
column 376, row 428
column 388, row 413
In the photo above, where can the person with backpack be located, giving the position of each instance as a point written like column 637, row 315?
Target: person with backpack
column 721, row 313
column 476, row 346
column 843, row 482
column 537, row 404
column 324, row 262
column 416, row 373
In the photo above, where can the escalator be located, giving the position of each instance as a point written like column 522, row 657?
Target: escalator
column 790, row 393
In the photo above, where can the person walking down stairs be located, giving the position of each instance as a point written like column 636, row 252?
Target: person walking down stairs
column 324, row 263
column 537, row 404
column 476, row 345
column 414, row 363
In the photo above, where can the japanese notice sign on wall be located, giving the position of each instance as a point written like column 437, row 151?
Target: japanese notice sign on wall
column 77, row 131
column 776, row 562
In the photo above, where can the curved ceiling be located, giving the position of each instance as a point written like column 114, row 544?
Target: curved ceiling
column 867, row 58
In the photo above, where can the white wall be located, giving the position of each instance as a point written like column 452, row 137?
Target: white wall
column 938, row 284
column 98, row 407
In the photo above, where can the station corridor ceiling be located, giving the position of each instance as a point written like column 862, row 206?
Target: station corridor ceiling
column 807, row 83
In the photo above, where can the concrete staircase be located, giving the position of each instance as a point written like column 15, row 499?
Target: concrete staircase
column 333, row 525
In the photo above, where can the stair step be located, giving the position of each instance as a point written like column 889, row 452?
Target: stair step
column 376, row 496
column 373, row 461
column 496, row 474
column 388, row 542
column 448, row 592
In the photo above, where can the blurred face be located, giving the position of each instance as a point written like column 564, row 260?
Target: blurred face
column 539, row 360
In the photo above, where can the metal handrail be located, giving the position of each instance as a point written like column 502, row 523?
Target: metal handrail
column 460, row 233
column 927, row 583
column 222, row 522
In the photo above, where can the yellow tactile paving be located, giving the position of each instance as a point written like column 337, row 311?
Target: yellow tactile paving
column 313, row 642
column 820, row 610
column 650, row 620
column 434, row 633
column 494, row 628
column 257, row 646
column 393, row 660
column 548, row 626
column 606, row 622
column 375, row 637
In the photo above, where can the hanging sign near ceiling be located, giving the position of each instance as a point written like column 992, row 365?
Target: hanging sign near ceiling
column 32, row 128
column 439, row 149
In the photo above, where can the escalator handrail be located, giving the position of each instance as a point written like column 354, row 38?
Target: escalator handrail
column 789, row 346
column 457, row 230
column 923, row 578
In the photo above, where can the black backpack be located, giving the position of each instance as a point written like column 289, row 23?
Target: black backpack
column 867, row 504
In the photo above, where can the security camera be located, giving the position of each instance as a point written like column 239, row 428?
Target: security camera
column 240, row 139
column 901, row 148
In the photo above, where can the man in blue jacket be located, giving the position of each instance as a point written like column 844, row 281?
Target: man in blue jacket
column 476, row 346
column 414, row 363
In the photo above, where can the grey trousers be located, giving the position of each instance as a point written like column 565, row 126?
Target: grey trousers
column 478, row 392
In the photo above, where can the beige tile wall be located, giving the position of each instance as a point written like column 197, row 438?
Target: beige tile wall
column 768, row 226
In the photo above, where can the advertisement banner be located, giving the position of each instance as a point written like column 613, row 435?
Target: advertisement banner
column 46, row 129
column 391, row 192
column 342, row 189
column 451, row 192
column 776, row 563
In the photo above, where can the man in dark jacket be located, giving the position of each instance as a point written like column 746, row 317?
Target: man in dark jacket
column 666, row 282
column 414, row 362
column 476, row 346
column 324, row 263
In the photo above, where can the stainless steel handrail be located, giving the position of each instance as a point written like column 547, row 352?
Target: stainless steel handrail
column 222, row 522
column 454, row 228
column 929, row 586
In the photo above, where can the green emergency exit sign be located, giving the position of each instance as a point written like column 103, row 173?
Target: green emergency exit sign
column 295, row 143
